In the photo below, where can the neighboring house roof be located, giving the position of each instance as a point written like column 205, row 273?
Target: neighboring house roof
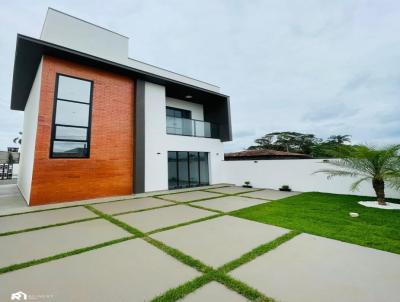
column 264, row 154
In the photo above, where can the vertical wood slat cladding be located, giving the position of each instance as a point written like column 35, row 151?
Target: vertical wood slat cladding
column 109, row 170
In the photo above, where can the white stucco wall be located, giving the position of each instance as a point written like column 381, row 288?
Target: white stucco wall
column 62, row 29
column 15, row 170
column 68, row 31
column 196, row 109
column 29, row 137
column 298, row 174
column 158, row 143
column 169, row 74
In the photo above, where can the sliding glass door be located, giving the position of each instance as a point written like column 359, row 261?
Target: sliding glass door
column 187, row 169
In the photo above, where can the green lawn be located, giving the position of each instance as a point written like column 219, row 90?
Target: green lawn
column 328, row 215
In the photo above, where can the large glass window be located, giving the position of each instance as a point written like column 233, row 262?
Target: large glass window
column 179, row 121
column 72, row 115
column 194, row 169
column 183, row 170
column 187, row 169
column 203, row 167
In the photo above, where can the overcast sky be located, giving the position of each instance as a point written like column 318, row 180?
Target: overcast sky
column 322, row 67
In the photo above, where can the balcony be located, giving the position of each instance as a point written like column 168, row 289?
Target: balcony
column 189, row 127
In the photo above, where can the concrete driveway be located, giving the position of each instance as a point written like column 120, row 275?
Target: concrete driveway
column 137, row 249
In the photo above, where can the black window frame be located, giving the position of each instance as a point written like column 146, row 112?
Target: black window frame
column 199, row 183
column 182, row 111
column 54, row 124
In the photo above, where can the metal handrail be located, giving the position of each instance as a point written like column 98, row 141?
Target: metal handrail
column 191, row 127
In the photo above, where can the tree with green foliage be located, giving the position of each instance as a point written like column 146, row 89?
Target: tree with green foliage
column 286, row 141
column 301, row 143
column 339, row 139
column 18, row 139
column 329, row 148
column 380, row 166
column 10, row 159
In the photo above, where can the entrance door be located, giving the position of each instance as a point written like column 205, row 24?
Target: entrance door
column 187, row 169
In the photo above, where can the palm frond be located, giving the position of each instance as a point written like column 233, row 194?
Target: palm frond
column 334, row 173
column 356, row 184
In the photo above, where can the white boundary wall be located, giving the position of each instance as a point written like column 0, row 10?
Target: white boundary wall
column 298, row 174
column 31, row 115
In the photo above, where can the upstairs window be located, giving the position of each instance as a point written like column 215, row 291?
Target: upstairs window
column 179, row 113
column 71, row 118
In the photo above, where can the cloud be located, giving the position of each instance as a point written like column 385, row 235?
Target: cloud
column 330, row 111
column 326, row 67
column 243, row 133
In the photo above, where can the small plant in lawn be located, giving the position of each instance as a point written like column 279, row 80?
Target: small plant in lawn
column 247, row 184
column 285, row 188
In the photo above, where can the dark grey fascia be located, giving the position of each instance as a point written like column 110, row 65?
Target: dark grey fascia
column 29, row 52
column 139, row 143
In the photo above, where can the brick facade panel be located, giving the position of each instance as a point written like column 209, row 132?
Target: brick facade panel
column 109, row 170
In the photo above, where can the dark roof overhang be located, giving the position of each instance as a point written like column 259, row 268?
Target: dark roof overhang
column 29, row 52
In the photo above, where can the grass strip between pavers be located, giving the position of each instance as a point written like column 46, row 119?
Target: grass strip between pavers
column 158, row 244
column 185, row 223
column 209, row 273
column 180, row 256
column 179, row 292
column 231, row 194
column 47, row 226
column 205, row 208
column 108, row 201
column 18, row 266
column 258, row 251
column 193, row 200
column 184, row 289
column 117, row 222
column 220, row 275
column 144, row 210
column 189, row 190
column 258, row 198
column 242, row 288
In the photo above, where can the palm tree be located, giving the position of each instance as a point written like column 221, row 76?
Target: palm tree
column 368, row 163
column 18, row 139
column 339, row 139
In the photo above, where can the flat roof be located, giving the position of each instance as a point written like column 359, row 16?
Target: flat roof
column 29, row 52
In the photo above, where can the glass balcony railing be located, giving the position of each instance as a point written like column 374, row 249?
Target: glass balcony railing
column 188, row 127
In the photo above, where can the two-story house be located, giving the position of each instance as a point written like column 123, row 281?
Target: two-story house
column 98, row 123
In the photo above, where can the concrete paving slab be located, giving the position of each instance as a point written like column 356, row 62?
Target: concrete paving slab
column 270, row 194
column 47, row 242
column 21, row 207
column 129, row 271
column 228, row 203
column 38, row 219
column 232, row 190
column 165, row 192
column 131, row 205
column 190, row 196
column 312, row 268
column 220, row 240
column 11, row 198
column 164, row 217
column 214, row 291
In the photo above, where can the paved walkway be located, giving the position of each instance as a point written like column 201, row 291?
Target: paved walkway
column 137, row 249
column 10, row 198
